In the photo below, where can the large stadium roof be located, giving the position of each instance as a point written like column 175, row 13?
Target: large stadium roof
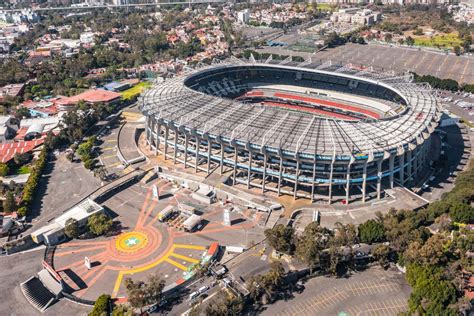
column 175, row 103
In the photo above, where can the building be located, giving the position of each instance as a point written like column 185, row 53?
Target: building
column 53, row 233
column 356, row 16
column 35, row 127
column 11, row 90
column 313, row 130
column 243, row 16
column 8, row 127
column 92, row 96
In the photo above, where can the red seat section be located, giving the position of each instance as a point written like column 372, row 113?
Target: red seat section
column 327, row 103
column 311, row 110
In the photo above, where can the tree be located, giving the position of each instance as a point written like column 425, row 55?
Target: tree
column 22, row 159
column 462, row 213
column 4, row 169
column 281, row 238
column 346, row 235
column 432, row 252
column 121, row 310
column 135, row 293
column 371, row 231
column 431, row 293
column 99, row 224
column 141, row 294
column 154, row 289
column 9, row 204
column 457, row 50
column 310, row 245
column 381, row 254
column 71, row 229
column 22, row 112
column 225, row 304
column 101, row 306
column 410, row 41
column 388, row 37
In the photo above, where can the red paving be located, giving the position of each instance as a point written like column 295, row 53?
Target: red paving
column 112, row 259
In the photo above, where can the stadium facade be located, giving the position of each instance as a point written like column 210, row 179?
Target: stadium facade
column 314, row 130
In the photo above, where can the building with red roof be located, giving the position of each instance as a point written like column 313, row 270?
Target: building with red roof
column 7, row 151
column 92, row 96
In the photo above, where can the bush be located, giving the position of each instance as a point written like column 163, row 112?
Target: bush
column 101, row 306
column 4, row 169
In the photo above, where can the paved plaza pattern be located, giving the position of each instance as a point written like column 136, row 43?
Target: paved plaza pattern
column 145, row 245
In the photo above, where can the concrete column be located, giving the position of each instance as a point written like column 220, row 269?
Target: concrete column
column 409, row 166
column 209, row 148
column 198, row 141
column 279, row 177
column 235, row 165
column 186, row 143
column 379, row 178
column 264, row 172
column 250, row 167
column 401, row 174
column 421, row 158
column 147, row 129
column 391, row 161
column 330, row 183
column 364, row 181
column 348, row 182
column 157, row 142
column 175, row 145
column 167, row 130
column 150, row 131
column 296, row 178
column 314, row 181
column 415, row 162
column 222, row 158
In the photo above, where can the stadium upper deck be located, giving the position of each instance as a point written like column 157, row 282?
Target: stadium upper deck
column 212, row 111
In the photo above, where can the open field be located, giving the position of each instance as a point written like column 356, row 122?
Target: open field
column 135, row 90
column 441, row 40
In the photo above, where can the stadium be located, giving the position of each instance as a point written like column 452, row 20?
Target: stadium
column 313, row 130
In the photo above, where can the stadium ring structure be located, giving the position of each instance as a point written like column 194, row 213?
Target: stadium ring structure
column 316, row 130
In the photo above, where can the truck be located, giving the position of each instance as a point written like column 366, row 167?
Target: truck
column 165, row 213
column 190, row 224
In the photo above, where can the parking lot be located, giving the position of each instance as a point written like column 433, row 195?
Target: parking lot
column 398, row 59
column 371, row 292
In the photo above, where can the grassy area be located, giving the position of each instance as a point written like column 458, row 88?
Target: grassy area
column 445, row 40
column 326, row 7
column 135, row 90
column 24, row 169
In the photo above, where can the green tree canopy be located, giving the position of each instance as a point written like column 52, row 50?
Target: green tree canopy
column 9, row 204
column 101, row 306
column 71, row 229
column 99, row 224
column 281, row 238
column 371, row 231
